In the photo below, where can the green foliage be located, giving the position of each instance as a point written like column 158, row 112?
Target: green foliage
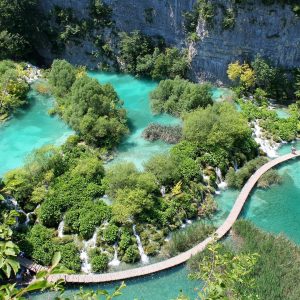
column 39, row 244
column 131, row 204
column 275, row 128
column 179, row 96
column 203, row 9
column 145, row 57
column 238, row 179
column 275, row 82
column 8, row 250
column 186, row 239
column 70, row 258
column 276, row 273
column 91, row 109
column 131, row 254
column 229, row 19
column 61, row 77
column 18, row 28
column 99, row 261
column 111, row 233
column 101, row 13
column 125, row 175
column 225, row 274
column 221, row 133
column 13, row 87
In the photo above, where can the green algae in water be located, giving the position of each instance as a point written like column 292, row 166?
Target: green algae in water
column 30, row 129
column 165, row 285
column 135, row 94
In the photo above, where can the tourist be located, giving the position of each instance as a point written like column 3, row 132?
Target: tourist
column 293, row 150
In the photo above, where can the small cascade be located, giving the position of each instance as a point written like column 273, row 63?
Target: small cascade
column 221, row 184
column 235, row 165
column 163, row 191
column 28, row 218
column 87, row 245
column 144, row 257
column 266, row 145
column 60, row 229
column 115, row 262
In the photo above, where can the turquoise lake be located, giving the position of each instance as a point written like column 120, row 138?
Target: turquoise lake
column 275, row 209
column 30, row 129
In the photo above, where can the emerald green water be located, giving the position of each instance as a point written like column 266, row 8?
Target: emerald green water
column 29, row 129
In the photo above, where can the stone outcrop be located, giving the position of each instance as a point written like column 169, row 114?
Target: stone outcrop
column 271, row 30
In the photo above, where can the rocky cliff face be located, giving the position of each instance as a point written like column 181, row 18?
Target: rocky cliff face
column 272, row 31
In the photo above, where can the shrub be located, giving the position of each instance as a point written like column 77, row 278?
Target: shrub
column 99, row 262
column 131, row 254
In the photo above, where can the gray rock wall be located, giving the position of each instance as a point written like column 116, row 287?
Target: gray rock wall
column 273, row 31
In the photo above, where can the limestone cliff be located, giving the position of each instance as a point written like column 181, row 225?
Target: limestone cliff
column 271, row 30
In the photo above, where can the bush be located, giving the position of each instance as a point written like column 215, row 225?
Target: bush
column 238, row 179
column 70, row 257
column 110, row 234
column 178, row 96
column 131, row 254
column 99, row 262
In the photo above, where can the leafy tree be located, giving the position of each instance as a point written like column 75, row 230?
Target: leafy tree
column 148, row 57
column 13, row 87
column 178, row 96
column 221, row 132
column 19, row 23
column 131, row 204
column 99, row 262
column 61, row 77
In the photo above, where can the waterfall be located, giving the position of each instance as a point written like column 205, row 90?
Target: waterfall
column 221, row 184
column 235, row 165
column 87, row 245
column 60, row 229
column 144, row 257
column 163, row 191
column 115, row 262
column 28, row 218
column 265, row 145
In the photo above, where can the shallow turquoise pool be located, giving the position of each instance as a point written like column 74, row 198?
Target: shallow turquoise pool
column 30, row 129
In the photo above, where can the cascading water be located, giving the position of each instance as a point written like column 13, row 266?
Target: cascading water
column 115, row 262
column 60, row 229
column 221, row 184
column 144, row 257
column 87, row 245
column 266, row 145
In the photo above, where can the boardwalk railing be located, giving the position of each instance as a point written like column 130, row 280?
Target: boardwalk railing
column 183, row 257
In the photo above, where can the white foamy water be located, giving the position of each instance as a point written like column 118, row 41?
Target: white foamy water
column 144, row 257
column 60, row 229
column 115, row 262
column 87, row 245
column 270, row 148
column 220, row 182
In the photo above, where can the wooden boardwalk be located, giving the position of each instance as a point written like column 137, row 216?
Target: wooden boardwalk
column 183, row 257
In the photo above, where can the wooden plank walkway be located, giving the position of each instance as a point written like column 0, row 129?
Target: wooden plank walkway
column 183, row 257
